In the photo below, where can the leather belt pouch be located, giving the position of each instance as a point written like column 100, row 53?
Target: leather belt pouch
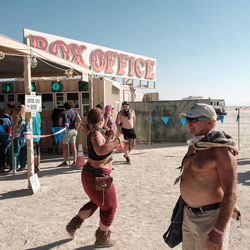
column 103, row 183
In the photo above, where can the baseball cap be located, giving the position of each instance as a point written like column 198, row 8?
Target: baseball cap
column 125, row 103
column 200, row 109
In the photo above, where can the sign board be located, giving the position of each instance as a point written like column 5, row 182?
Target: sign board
column 35, row 184
column 101, row 60
column 85, row 77
column 33, row 103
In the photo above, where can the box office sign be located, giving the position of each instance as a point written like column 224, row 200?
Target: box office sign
column 33, row 103
column 101, row 60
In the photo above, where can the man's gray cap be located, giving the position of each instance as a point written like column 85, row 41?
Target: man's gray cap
column 200, row 109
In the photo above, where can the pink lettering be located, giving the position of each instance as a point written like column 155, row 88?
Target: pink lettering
column 98, row 60
column 77, row 51
column 65, row 49
column 132, row 66
column 38, row 42
column 150, row 74
column 111, row 55
column 123, row 59
column 138, row 65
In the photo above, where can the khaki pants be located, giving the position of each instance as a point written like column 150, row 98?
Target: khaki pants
column 195, row 229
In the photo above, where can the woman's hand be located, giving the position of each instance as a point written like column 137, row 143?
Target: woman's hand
column 110, row 133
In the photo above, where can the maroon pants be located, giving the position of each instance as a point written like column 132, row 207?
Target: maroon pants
column 105, row 200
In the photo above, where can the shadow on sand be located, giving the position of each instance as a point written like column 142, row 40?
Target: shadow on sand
column 244, row 178
column 90, row 247
column 243, row 161
column 51, row 245
column 16, row 194
column 50, row 171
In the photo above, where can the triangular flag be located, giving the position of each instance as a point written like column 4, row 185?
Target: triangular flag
column 183, row 121
column 221, row 117
column 150, row 119
column 58, row 137
column 165, row 119
column 2, row 129
column 238, row 118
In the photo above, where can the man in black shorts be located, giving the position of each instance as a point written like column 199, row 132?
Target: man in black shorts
column 125, row 124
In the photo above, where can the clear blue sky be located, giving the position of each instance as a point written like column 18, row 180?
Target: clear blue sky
column 202, row 47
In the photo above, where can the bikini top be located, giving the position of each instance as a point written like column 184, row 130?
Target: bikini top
column 91, row 152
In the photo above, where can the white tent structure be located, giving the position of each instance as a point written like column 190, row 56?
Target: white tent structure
column 16, row 62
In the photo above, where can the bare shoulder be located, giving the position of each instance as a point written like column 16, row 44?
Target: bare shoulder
column 224, row 156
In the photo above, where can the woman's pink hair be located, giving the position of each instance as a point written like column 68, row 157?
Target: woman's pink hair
column 108, row 109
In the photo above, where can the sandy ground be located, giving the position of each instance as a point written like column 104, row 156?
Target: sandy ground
column 145, row 191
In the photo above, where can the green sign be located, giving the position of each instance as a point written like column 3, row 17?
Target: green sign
column 83, row 86
column 33, row 86
column 56, row 86
column 6, row 88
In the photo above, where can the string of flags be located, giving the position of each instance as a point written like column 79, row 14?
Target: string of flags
column 56, row 131
column 165, row 119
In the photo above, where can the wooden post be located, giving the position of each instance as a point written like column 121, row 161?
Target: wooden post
column 91, row 94
column 149, row 129
column 239, row 129
column 27, row 87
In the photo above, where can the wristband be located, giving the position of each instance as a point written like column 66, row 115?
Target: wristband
column 118, row 140
column 218, row 231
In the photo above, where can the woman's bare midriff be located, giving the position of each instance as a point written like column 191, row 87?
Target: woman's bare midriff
column 105, row 163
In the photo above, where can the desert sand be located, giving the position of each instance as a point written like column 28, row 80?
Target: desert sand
column 145, row 192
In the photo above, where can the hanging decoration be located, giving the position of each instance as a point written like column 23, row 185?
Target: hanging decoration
column 238, row 118
column 150, row 119
column 69, row 72
column 221, row 117
column 165, row 120
column 33, row 62
column 183, row 121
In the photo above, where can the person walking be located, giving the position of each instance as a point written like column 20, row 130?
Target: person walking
column 208, row 182
column 125, row 124
column 36, row 141
column 99, row 164
column 69, row 137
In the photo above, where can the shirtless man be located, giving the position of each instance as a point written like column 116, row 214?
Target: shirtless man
column 125, row 124
column 208, row 185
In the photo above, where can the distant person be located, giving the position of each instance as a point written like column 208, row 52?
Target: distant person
column 208, row 182
column 125, row 124
column 100, row 106
column 109, row 123
column 19, row 141
column 55, row 117
column 70, row 135
column 99, row 164
column 36, row 141
column 5, row 123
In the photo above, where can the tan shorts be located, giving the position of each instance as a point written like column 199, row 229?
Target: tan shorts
column 195, row 229
column 71, row 137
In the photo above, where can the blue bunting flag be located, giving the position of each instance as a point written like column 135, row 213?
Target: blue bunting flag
column 165, row 119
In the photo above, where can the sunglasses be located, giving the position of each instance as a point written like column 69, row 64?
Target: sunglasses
column 196, row 119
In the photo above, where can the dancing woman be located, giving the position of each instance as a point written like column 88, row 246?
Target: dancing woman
column 99, row 163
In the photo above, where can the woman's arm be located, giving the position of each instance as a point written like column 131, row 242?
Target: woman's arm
column 100, row 145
